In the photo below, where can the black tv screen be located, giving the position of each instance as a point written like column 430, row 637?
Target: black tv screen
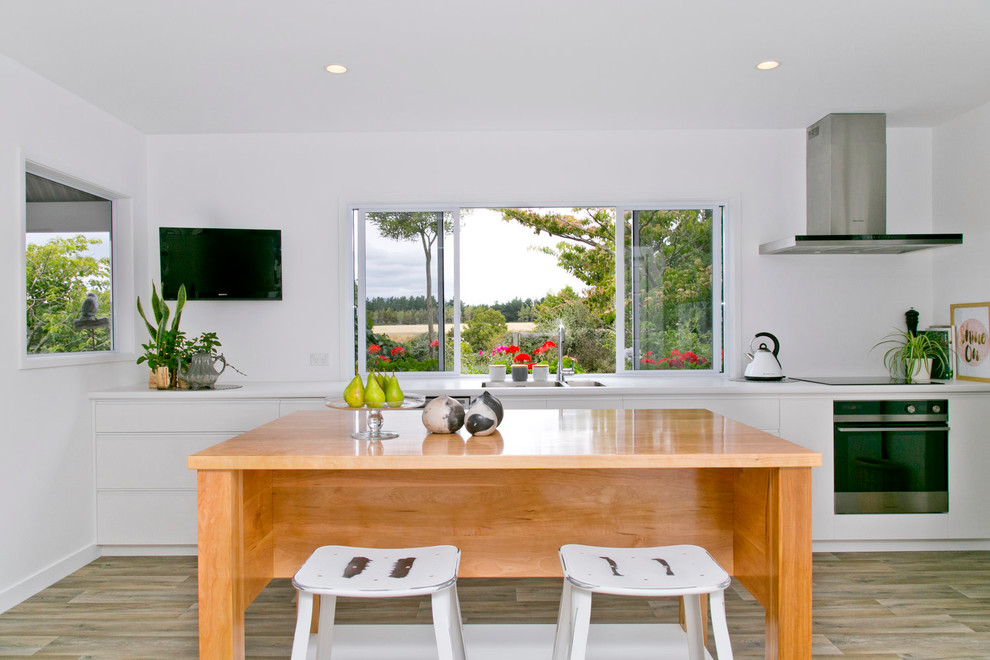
column 221, row 264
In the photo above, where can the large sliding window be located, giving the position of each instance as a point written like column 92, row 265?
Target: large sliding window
column 454, row 289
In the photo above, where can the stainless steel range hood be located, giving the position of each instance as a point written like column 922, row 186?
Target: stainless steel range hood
column 847, row 193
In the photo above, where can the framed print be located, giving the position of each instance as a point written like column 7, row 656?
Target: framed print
column 972, row 324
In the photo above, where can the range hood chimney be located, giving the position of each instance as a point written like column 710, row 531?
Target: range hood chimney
column 847, row 193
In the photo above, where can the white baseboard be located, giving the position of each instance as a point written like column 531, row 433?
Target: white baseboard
column 900, row 546
column 46, row 577
column 148, row 550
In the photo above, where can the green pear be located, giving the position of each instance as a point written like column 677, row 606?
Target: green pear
column 354, row 392
column 393, row 393
column 374, row 395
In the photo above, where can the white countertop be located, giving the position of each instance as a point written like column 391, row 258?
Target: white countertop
column 615, row 386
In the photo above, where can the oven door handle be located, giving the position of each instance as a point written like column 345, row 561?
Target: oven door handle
column 885, row 429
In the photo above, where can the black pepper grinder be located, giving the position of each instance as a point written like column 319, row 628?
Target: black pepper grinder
column 911, row 319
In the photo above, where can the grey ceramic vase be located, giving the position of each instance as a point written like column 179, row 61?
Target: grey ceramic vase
column 443, row 415
column 484, row 415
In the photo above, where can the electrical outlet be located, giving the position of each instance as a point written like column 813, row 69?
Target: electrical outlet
column 319, row 359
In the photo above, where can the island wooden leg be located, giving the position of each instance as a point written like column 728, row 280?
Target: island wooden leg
column 789, row 534
column 221, row 606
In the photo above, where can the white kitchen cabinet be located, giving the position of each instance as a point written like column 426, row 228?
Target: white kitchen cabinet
column 969, row 466
column 145, row 494
column 149, row 461
column 288, row 406
column 760, row 413
column 182, row 415
column 146, row 497
column 150, row 519
column 808, row 422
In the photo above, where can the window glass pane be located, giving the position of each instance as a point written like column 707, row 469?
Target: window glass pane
column 523, row 271
column 520, row 273
column 668, row 275
column 68, row 275
column 402, row 259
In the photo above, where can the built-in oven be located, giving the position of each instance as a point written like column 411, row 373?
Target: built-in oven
column 891, row 456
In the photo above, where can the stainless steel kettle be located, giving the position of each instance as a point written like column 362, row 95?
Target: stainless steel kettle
column 763, row 363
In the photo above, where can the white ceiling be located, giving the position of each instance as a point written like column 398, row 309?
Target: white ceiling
column 238, row 66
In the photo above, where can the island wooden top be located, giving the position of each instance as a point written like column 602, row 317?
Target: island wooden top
column 548, row 439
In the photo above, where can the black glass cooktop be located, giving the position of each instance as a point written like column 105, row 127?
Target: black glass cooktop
column 858, row 380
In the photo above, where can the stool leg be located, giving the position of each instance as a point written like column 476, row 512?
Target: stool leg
column 457, row 624
column 304, row 617
column 562, row 639
column 580, row 617
column 324, row 634
column 692, row 620
column 716, row 601
column 447, row 624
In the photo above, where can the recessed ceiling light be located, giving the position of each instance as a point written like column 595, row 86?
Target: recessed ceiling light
column 336, row 68
column 767, row 65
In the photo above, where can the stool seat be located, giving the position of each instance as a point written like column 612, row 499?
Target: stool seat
column 686, row 571
column 338, row 570
column 342, row 570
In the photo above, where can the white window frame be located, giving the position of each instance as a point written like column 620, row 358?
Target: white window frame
column 722, row 290
column 359, row 254
column 122, row 288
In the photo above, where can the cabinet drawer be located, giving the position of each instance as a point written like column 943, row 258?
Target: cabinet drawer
column 759, row 413
column 149, row 461
column 146, row 518
column 287, row 406
column 194, row 416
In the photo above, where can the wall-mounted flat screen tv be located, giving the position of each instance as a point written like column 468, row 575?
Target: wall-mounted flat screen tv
column 221, row 264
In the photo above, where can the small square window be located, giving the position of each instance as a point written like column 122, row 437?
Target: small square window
column 68, row 269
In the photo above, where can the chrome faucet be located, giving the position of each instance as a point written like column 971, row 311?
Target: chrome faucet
column 560, row 352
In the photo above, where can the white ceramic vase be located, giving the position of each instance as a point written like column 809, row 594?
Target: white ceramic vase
column 918, row 370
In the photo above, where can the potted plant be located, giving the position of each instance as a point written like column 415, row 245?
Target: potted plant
column 197, row 359
column 163, row 352
column 912, row 354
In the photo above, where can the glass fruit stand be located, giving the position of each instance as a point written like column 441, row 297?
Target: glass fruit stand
column 375, row 421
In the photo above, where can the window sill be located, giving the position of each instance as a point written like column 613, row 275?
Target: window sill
column 74, row 359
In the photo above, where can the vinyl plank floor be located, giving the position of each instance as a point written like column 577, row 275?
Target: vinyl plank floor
column 877, row 606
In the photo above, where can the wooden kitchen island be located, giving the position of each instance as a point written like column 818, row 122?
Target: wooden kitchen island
column 268, row 497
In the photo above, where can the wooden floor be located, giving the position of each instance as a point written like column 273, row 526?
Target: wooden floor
column 866, row 605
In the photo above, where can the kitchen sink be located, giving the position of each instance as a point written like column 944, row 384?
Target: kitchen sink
column 523, row 383
column 543, row 383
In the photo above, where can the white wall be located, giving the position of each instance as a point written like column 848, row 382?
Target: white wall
column 961, row 184
column 827, row 311
column 46, row 447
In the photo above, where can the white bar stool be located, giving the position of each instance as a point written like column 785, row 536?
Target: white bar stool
column 676, row 570
column 336, row 570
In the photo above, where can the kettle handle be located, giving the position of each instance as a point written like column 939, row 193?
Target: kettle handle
column 776, row 344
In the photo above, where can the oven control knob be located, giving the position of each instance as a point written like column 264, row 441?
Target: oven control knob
column 911, row 408
column 936, row 408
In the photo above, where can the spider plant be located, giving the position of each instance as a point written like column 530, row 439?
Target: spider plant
column 905, row 351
